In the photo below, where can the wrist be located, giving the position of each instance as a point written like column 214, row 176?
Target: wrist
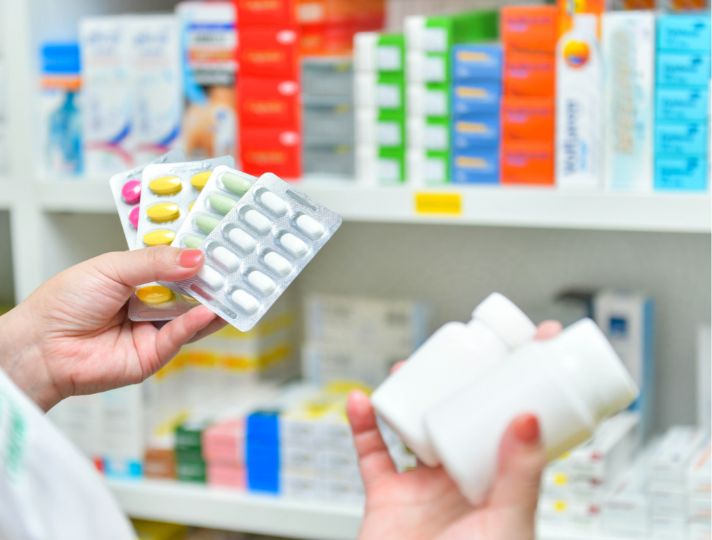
column 22, row 360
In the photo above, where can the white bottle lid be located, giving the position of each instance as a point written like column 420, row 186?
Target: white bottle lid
column 599, row 376
column 505, row 319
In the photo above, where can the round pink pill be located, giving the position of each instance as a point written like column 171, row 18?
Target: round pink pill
column 133, row 217
column 131, row 192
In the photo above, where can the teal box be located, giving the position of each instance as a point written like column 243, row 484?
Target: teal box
column 681, row 104
column 684, row 33
column 681, row 138
column 684, row 173
column 683, row 69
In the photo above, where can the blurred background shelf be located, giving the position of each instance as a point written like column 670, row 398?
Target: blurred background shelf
column 516, row 207
column 5, row 193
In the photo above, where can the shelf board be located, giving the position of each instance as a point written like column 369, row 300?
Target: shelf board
column 204, row 506
column 485, row 206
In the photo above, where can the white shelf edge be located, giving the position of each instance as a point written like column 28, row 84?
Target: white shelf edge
column 484, row 206
column 204, row 506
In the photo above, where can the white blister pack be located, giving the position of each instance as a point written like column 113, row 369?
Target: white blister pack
column 224, row 189
column 258, row 249
column 126, row 191
column 168, row 192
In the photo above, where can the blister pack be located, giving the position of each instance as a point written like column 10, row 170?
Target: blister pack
column 258, row 249
column 224, row 189
column 126, row 191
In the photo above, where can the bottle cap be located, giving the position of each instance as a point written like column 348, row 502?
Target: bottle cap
column 600, row 374
column 505, row 319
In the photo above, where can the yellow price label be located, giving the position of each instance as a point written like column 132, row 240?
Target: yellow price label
column 438, row 204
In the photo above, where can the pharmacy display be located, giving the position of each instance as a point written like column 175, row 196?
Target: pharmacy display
column 523, row 95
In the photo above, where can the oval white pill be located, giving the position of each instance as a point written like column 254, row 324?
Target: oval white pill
column 261, row 282
column 245, row 301
column 273, row 203
column 242, row 240
column 258, row 221
column 211, row 277
column 294, row 245
column 277, row 263
column 226, row 258
column 309, row 226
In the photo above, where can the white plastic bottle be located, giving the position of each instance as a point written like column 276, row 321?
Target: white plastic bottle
column 454, row 356
column 579, row 95
column 571, row 383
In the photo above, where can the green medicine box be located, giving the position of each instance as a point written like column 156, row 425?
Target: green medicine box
column 382, row 53
column 438, row 34
column 432, row 167
column 391, row 166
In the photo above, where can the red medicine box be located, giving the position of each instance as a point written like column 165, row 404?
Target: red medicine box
column 271, row 150
column 268, row 102
column 265, row 13
column 268, row 52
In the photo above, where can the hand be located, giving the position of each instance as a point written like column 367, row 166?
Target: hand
column 425, row 504
column 72, row 335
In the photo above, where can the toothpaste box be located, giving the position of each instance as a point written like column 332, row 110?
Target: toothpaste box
column 628, row 95
column 683, row 69
column 272, row 102
column 527, row 118
column 527, row 162
column 475, row 131
column 476, row 166
column 268, row 52
column 473, row 97
column 529, row 28
column 681, row 137
column 529, row 74
column 681, row 173
column 681, row 103
column 477, row 63
column 688, row 32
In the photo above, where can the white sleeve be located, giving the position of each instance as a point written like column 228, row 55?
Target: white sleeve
column 48, row 489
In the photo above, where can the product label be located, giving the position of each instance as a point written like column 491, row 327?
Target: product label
column 443, row 204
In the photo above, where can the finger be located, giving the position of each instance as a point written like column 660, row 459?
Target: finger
column 162, row 263
column 548, row 330
column 395, row 367
column 373, row 458
column 521, row 462
column 217, row 324
column 172, row 336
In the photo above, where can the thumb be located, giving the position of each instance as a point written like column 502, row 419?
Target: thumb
column 521, row 462
column 161, row 263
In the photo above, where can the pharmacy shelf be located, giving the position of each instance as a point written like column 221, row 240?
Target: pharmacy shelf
column 5, row 193
column 487, row 206
column 204, row 506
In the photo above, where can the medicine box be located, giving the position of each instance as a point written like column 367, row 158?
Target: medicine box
column 268, row 102
column 382, row 165
column 529, row 74
column 688, row 32
column 529, row 28
column 683, row 69
column 675, row 103
column 475, row 97
column 429, row 167
column 476, row 166
column 528, row 118
column 328, row 76
column 428, row 99
column 681, row 173
column 253, row 13
column 328, row 124
column 380, row 91
column 380, row 129
column 671, row 459
column 428, row 67
column 379, row 52
column 274, row 150
column 338, row 160
column 438, row 34
column 430, row 133
column 268, row 52
column 477, row 63
column 527, row 162
column 475, row 131
column 679, row 138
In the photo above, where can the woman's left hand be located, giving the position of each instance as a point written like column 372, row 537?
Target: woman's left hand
column 72, row 335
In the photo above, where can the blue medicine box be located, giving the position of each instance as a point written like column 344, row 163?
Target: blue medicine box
column 262, row 452
column 476, row 166
column 681, row 137
column 684, row 33
column 683, row 69
column 477, row 62
column 475, row 131
column 476, row 97
column 684, row 173
column 681, row 103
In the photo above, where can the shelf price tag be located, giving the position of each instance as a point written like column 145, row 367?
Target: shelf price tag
column 438, row 204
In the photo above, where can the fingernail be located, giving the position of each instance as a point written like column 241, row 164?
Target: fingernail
column 190, row 258
column 527, row 429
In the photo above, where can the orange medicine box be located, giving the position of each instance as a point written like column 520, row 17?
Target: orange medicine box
column 251, row 13
column 529, row 74
column 271, row 150
column 529, row 28
column 268, row 102
column 527, row 163
column 525, row 118
column 334, row 39
column 268, row 52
